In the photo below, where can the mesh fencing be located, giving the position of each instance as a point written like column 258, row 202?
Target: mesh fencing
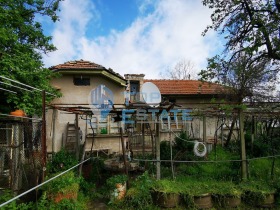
column 20, row 153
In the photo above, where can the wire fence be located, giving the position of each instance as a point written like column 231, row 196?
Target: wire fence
column 20, row 153
column 43, row 183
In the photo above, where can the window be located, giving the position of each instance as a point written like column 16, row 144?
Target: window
column 172, row 100
column 81, row 81
column 103, row 125
column 134, row 91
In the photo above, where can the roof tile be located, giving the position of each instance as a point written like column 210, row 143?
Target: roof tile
column 82, row 65
column 187, row 87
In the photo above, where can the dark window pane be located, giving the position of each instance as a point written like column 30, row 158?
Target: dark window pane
column 82, row 81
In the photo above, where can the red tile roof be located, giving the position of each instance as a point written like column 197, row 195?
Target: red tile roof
column 186, row 87
column 82, row 65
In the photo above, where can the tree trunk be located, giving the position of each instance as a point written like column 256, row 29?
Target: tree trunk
column 242, row 145
column 230, row 131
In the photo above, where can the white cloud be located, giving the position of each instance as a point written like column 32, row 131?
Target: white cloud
column 153, row 42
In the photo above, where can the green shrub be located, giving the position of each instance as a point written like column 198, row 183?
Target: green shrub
column 165, row 153
column 62, row 161
column 260, row 169
column 67, row 182
column 69, row 204
column 98, row 173
column 221, row 170
column 139, row 196
column 112, row 181
column 87, row 188
column 183, row 148
column 6, row 195
column 254, row 192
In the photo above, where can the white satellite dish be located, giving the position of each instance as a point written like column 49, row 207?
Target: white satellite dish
column 151, row 94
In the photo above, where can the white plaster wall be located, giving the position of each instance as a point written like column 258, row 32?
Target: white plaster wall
column 79, row 94
column 72, row 94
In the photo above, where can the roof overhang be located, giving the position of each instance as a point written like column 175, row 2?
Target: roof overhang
column 102, row 72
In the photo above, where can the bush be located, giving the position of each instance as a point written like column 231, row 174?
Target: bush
column 221, row 170
column 5, row 196
column 213, row 170
column 66, row 183
column 112, row 181
column 139, row 196
column 69, row 204
column 62, row 161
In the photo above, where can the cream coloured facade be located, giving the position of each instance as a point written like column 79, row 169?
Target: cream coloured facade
column 78, row 81
column 81, row 81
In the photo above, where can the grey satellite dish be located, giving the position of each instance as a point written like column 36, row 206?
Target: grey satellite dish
column 151, row 94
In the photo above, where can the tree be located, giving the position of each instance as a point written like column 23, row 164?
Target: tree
column 243, row 77
column 22, row 42
column 181, row 71
column 251, row 26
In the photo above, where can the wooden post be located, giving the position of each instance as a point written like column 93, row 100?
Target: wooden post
column 44, row 144
column 204, row 128
column 84, row 149
column 252, row 133
column 53, row 130
column 242, row 145
column 157, row 149
column 222, row 134
column 153, row 141
column 123, row 151
column 143, row 138
column 77, row 137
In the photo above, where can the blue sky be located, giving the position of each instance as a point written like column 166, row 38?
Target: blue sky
column 132, row 36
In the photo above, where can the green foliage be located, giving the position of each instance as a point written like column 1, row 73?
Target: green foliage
column 226, row 170
column 165, row 150
column 222, row 189
column 98, row 172
column 79, row 204
column 6, row 195
column 147, row 165
column 22, row 43
column 67, row 182
column 193, row 187
column 248, row 25
column 181, row 142
column 254, row 192
column 184, row 148
column 260, row 169
column 139, row 196
column 242, row 76
column 166, row 186
column 263, row 146
column 62, row 161
column 252, row 41
column 87, row 188
column 113, row 180
column 213, row 170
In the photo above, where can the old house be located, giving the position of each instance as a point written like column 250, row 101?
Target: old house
column 89, row 88
column 85, row 87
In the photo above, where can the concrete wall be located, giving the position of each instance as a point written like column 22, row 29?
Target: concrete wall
column 57, row 120
column 79, row 94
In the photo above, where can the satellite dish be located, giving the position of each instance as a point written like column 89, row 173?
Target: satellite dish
column 151, row 94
